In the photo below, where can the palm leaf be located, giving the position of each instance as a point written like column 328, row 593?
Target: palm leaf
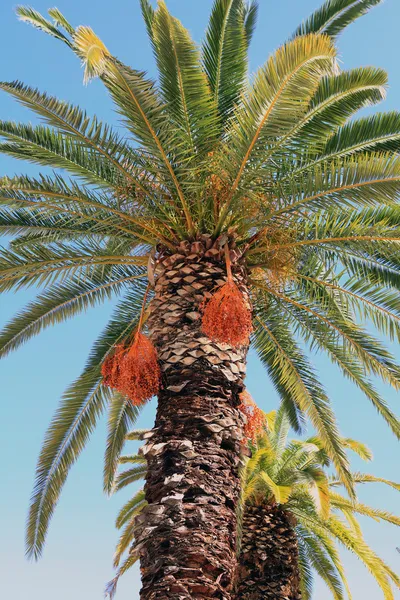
column 334, row 16
column 66, row 437
column 294, row 378
column 225, row 52
column 320, row 561
column 56, row 305
column 33, row 17
column 122, row 415
column 187, row 97
column 292, row 73
column 130, row 509
column 81, row 407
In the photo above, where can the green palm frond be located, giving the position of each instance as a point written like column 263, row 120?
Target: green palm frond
column 82, row 405
column 61, row 21
column 335, row 529
column 367, row 478
column 340, row 502
column 280, row 431
column 133, row 507
column 272, row 107
column 55, row 197
column 45, row 146
column 125, row 541
column 379, row 132
column 359, row 181
column 375, row 565
column 294, row 379
column 334, row 16
column 137, row 100
column 74, row 122
column 148, row 14
column 316, row 556
column 122, row 415
column 250, row 13
column 59, row 303
column 225, row 51
column 359, row 448
column 129, row 476
column 312, row 325
column 66, row 437
column 183, row 84
column 306, row 573
column 128, row 563
column 131, row 459
column 336, row 99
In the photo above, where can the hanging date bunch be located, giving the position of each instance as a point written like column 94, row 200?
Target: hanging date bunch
column 134, row 370
column 227, row 316
column 256, row 419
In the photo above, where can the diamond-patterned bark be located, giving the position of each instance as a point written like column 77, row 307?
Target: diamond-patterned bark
column 187, row 534
column 269, row 559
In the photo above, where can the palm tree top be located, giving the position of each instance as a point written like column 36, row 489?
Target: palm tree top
column 293, row 474
column 275, row 166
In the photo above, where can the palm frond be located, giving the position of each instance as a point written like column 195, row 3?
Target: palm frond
column 279, row 98
column 82, row 405
column 367, row 478
column 61, row 21
column 359, row 448
column 136, row 434
column 321, row 562
column 334, row 16
column 340, row 502
column 225, row 51
column 128, row 563
column 306, row 573
column 293, row 377
column 186, row 94
column 57, row 304
column 250, row 13
column 69, row 431
column 44, row 146
column 33, row 17
column 72, row 121
column 336, row 99
column 129, row 476
column 121, row 416
column 130, row 509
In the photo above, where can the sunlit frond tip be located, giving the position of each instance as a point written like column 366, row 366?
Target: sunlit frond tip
column 92, row 51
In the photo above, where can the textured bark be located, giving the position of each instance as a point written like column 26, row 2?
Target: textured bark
column 269, row 559
column 187, row 534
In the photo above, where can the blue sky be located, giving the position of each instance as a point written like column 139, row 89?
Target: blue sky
column 77, row 558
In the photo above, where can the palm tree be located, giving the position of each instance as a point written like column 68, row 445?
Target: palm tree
column 225, row 201
column 292, row 519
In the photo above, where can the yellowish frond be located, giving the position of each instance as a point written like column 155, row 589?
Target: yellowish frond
column 92, row 51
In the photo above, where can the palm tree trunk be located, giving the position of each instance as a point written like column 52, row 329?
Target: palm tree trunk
column 269, row 559
column 187, row 534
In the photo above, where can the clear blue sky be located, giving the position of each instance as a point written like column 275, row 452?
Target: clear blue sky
column 77, row 558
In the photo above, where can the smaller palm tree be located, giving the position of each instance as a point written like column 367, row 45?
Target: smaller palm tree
column 292, row 518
